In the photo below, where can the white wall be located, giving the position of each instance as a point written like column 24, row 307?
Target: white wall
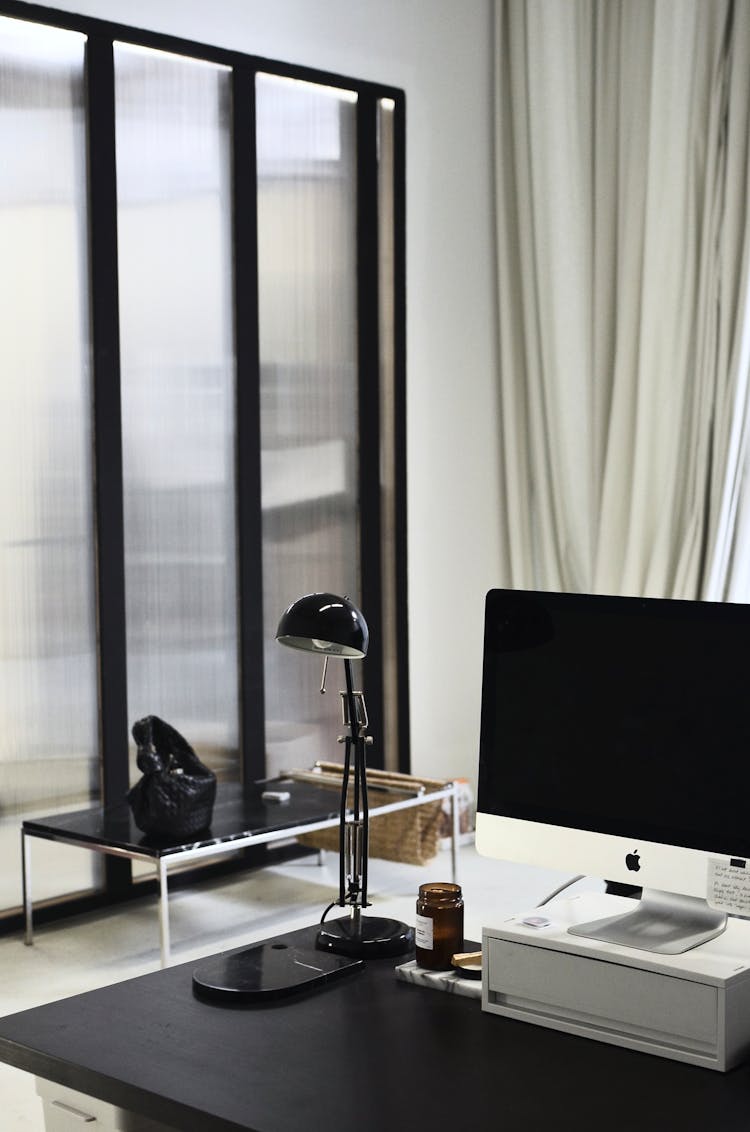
column 439, row 52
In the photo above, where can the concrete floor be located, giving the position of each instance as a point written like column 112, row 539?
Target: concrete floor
column 94, row 950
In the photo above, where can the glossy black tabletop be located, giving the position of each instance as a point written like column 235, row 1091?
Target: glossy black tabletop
column 237, row 813
column 368, row 1052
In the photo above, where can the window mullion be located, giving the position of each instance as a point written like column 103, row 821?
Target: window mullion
column 369, row 407
column 247, row 348
column 110, row 565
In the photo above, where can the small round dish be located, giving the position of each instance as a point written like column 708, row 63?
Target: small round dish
column 468, row 965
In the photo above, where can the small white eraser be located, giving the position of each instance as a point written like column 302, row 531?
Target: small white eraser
column 276, row 795
column 536, row 921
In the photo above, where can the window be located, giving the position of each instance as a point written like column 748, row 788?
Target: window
column 174, row 222
column 307, row 263
column 203, row 349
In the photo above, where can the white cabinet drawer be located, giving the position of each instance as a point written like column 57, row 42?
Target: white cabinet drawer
column 66, row 1110
column 604, row 994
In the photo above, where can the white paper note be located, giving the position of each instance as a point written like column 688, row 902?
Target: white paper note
column 729, row 886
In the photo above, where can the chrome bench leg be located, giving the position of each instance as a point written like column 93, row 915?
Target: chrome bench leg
column 26, row 881
column 163, row 912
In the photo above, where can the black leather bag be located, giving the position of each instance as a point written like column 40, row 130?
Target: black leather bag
column 175, row 798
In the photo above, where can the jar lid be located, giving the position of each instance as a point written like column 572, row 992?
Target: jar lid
column 440, row 890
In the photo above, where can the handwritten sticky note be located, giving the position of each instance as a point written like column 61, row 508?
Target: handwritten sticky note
column 729, row 886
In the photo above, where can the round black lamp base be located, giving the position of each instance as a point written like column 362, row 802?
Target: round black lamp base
column 371, row 937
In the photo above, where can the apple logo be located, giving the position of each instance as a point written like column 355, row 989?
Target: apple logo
column 633, row 862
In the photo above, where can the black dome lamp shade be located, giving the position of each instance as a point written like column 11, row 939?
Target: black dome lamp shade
column 325, row 624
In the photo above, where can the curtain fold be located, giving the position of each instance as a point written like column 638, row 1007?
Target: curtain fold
column 622, row 175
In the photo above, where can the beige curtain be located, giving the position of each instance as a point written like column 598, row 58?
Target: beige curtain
column 622, row 131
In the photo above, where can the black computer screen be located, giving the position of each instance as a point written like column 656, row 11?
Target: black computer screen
column 626, row 716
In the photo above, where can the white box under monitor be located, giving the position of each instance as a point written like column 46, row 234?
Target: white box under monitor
column 692, row 1007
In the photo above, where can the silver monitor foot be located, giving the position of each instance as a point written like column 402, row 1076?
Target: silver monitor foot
column 660, row 922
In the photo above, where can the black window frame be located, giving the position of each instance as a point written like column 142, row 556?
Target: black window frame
column 107, row 423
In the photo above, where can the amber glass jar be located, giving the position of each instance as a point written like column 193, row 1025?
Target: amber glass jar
column 440, row 924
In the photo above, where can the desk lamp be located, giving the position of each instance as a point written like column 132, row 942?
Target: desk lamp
column 332, row 626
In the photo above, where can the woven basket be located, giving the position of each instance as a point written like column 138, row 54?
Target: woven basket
column 410, row 836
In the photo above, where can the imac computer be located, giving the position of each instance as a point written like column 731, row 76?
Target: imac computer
column 615, row 742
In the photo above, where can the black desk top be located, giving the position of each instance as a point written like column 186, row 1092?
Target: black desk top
column 368, row 1050
column 236, row 814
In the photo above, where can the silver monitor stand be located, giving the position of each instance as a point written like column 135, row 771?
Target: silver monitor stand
column 661, row 922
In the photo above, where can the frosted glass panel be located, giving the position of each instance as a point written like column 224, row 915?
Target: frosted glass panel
column 388, row 416
column 49, row 756
column 308, row 341
column 174, row 228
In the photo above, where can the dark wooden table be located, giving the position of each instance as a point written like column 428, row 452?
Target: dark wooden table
column 368, row 1052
